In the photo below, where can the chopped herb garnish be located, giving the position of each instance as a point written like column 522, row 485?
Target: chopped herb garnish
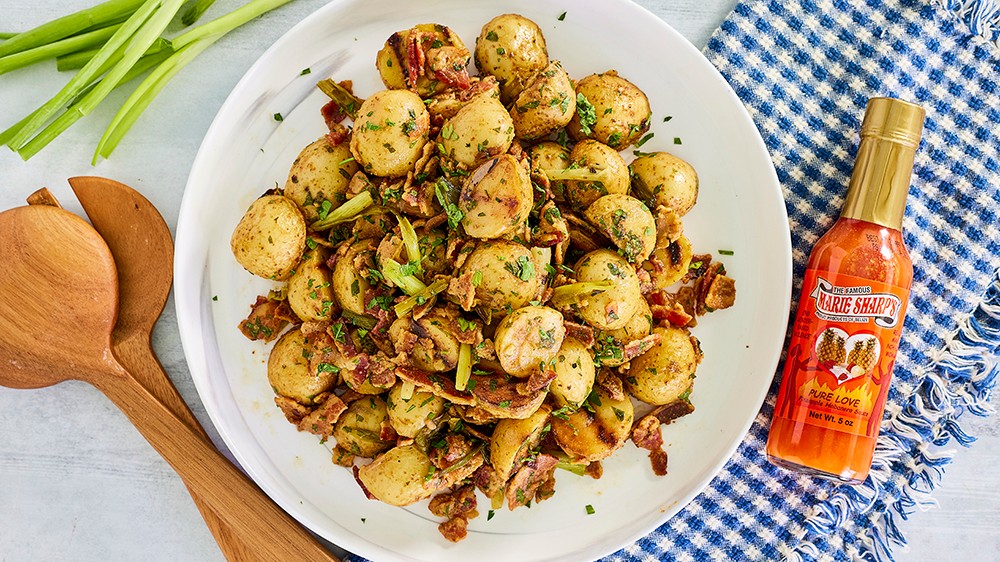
column 590, row 509
column 643, row 140
column 677, row 140
column 305, row 71
column 562, row 16
column 492, row 36
column 725, row 252
column 586, row 112
column 278, row 117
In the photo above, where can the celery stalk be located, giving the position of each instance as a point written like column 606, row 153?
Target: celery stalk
column 66, row 26
column 58, row 48
column 142, row 39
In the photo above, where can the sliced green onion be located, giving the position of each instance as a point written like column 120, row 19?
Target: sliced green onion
column 360, row 320
column 410, row 241
column 58, row 48
column 346, row 212
column 464, row 370
column 112, row 11
column 410, row 285
column 566, row 295
column 348, row 102
column 406, row 305
column 406, row 391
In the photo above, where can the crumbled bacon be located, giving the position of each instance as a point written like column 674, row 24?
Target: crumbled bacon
column 676, row 409
column 612, row 385
column 539, row 380
column 721, row 293
column 595, row 470
column 658, row 460
column 460, row 501
column 637, row 347
column 463, row 291
column 294, row 411
column 333, row 114
column 387, row 432
column 321, row 420
column 454, row 529
column 646, row 435
column 669, row 227
column 528, row 478
column 267, row 319
column 456, row 447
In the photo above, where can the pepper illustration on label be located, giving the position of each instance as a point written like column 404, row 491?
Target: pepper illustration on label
column 843, row 346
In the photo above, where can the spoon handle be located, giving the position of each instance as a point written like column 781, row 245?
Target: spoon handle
column 264, row 528
column 135, row 354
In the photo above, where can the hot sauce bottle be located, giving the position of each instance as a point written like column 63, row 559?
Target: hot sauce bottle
column 850, row 315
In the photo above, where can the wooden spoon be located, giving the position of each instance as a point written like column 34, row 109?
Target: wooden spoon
column 140, row 243
column 58, row 306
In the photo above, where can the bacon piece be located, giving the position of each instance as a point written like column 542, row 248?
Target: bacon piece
column 267, row 319
column 721, row 293
column 676, row 409
column 595, row 470
column 538, row 380
column 528, row 478
column 456, row 447
column 646, row 434
column 460, row 501
column 637, row 347
column 321, row 420
column 669, row 227
column 293, row 410
column 704, row 284
column 658, row 459
column 611, row 384
column 415, row 58
column 454, row 529
column 462, row 289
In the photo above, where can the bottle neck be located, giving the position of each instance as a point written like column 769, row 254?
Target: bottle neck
column 880, row 182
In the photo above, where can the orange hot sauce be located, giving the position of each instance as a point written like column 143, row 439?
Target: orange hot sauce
column 850, row 315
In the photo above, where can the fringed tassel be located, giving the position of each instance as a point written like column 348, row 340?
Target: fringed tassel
column 960, row 379
column 981, row 16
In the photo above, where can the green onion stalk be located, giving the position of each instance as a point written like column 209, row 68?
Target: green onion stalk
column 347, row 212
column 408, row 304
column 88, row 19
column 464, row 370
column 566, row 295
column 58, row 48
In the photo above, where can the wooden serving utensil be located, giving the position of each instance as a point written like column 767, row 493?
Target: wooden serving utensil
column 58, row 307
column 140, row 243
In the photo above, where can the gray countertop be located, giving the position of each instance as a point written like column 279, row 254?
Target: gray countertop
column 77, row 482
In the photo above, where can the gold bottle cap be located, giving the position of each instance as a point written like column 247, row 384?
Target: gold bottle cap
column 890, row 134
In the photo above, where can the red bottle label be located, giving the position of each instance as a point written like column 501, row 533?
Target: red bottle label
column 841, row 353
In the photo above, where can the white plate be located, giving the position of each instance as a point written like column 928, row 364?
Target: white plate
column 740, row 208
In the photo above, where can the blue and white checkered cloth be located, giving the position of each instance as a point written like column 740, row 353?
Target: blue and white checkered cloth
column 805, row 70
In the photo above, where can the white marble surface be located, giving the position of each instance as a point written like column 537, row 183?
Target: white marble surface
column 77, row 482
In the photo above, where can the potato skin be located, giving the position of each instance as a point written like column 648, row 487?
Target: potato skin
column 507, row 276
column 270, row 238
column 627, row 222
column 358, row 429
column 479, row 131
column 666, row 371
column 671, row 181
column 575, row 373
column 512, row 48
column 550, row 155
column 621, row 113
column 390, row 132
column 397, row 477
column 596, row 157
column 528, row 337
column 496, row 198
column 545, row 106
column 349, row 284
column 310, row 292
column 676, row 259
column 410, row 416
column 613, row 308
column 592, row 436
column 321, row 172
column 289, row 373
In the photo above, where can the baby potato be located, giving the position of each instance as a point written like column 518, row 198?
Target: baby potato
column 666, row 179
column 511, row 48
column 289, row 373
column 592, row 436
column 408, row 416
column 627, row 222
column 545, row 106
column 398, row 477
column 513, row 439
column 596, row 158
column 496, row 198
column 611, row 344
column 350, row 284
column 390, row 132
column 310, row 291
column 575, row 373
column 434, row 328
column 504, row 275
column 270, row 238
column 550, row 155
column 666, row 371
column 479, row 131
column 619, row 111
column 321, row 172
column 676, row 259
column 359, row 428
column 444, row 53
column 613, row 308
column 527, row 338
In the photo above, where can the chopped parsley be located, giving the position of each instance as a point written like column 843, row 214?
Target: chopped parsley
column 726, row 252
column 523, row 268
column 278, row 117
column 590, row 509
column 586, row 112
column 562, row 16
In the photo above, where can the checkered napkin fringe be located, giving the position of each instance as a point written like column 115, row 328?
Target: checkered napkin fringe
column 805, row 69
